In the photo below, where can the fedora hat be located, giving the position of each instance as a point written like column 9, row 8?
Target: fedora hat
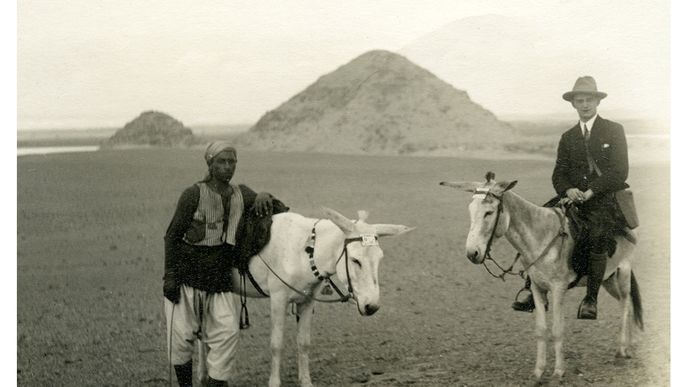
column 584, row 85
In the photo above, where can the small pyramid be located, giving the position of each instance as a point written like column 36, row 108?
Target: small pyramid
column 152, row 128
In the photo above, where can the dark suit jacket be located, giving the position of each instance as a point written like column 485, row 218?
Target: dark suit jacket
column 608, row 148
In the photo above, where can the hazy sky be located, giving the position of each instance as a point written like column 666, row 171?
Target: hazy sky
column 86, row 63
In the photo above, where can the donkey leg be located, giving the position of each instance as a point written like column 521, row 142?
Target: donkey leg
column 303, row 340
column 278, row 315
column 540, row 332
column 558, row 331
column 619, row 286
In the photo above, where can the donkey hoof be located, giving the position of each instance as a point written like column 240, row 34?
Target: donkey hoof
column 623, row 354
column 559, row 374
column 538, row 381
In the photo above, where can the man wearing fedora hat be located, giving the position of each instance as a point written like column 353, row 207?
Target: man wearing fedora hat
column 592, row 163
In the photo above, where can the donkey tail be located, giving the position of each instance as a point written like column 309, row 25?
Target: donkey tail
column 637, row 305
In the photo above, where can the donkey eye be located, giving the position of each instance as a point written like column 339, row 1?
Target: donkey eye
column 488, row 213
column 356, row 261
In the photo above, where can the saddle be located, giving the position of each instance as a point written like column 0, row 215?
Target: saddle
column 255, row 235
column 579, row 232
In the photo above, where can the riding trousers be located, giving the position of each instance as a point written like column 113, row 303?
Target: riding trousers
column 211, row 317
column 601, row 219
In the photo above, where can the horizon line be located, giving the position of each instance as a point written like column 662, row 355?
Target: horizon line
column 504, row 117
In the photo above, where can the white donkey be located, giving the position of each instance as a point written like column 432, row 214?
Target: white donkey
column 295, row 266
column 542, row 237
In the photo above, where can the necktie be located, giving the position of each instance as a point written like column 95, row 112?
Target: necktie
column 591, row 163
column 586, row 134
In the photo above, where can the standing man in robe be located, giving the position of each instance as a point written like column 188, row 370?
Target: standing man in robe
column 200, row 247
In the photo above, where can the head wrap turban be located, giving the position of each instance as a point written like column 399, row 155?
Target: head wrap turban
column 216, row 147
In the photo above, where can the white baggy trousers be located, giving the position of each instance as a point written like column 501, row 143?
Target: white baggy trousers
column 210, row 317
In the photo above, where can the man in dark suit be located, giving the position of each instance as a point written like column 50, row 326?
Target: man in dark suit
column 592, row 163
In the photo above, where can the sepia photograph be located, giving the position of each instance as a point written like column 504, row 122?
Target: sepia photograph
column 309, row 193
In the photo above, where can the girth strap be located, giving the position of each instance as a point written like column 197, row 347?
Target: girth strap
column 255, row 284
column 244, row 322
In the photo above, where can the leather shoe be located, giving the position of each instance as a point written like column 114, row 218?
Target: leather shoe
column 587, row 309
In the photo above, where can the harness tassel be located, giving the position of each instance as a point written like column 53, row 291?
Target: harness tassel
column 326, row 290
column 243, row 317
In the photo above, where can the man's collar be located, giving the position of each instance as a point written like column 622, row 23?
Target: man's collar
column 589, row 124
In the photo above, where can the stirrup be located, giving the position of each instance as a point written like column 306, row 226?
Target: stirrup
column 523, row 289
column 527, row 306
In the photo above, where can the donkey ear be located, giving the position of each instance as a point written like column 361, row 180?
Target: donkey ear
column 511, row 185
column 344, row 223
column 468, row 186
column 391, row 229
column 503, row 186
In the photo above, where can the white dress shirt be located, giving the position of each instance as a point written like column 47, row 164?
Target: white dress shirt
column 589, row 124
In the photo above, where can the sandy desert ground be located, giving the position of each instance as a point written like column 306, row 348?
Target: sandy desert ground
column 90, row 261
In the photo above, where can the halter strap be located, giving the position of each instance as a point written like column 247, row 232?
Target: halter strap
column 500, row 208
column 561, row 234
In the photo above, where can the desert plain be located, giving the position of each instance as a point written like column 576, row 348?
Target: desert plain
column 90, row 263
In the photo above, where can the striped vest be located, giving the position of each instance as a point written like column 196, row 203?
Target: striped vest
column 207, row 227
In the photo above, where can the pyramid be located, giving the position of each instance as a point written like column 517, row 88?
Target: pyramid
column 379, row 103
column 152, row 128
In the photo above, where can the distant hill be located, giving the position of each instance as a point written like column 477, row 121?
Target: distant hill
column 153, row 129
column 203, row 133
column 519, row 65
column 380, row 103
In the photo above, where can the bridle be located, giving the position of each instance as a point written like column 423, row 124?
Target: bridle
column 364, row 239
column 488, row 257
column 310, row 249
column 500, row 208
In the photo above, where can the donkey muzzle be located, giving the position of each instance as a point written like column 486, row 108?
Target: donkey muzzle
column 370, row 309
column 474, row 256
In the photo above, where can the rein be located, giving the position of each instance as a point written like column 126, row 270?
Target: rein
column 310, row 249
column 500, row 208
column 301, row 292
